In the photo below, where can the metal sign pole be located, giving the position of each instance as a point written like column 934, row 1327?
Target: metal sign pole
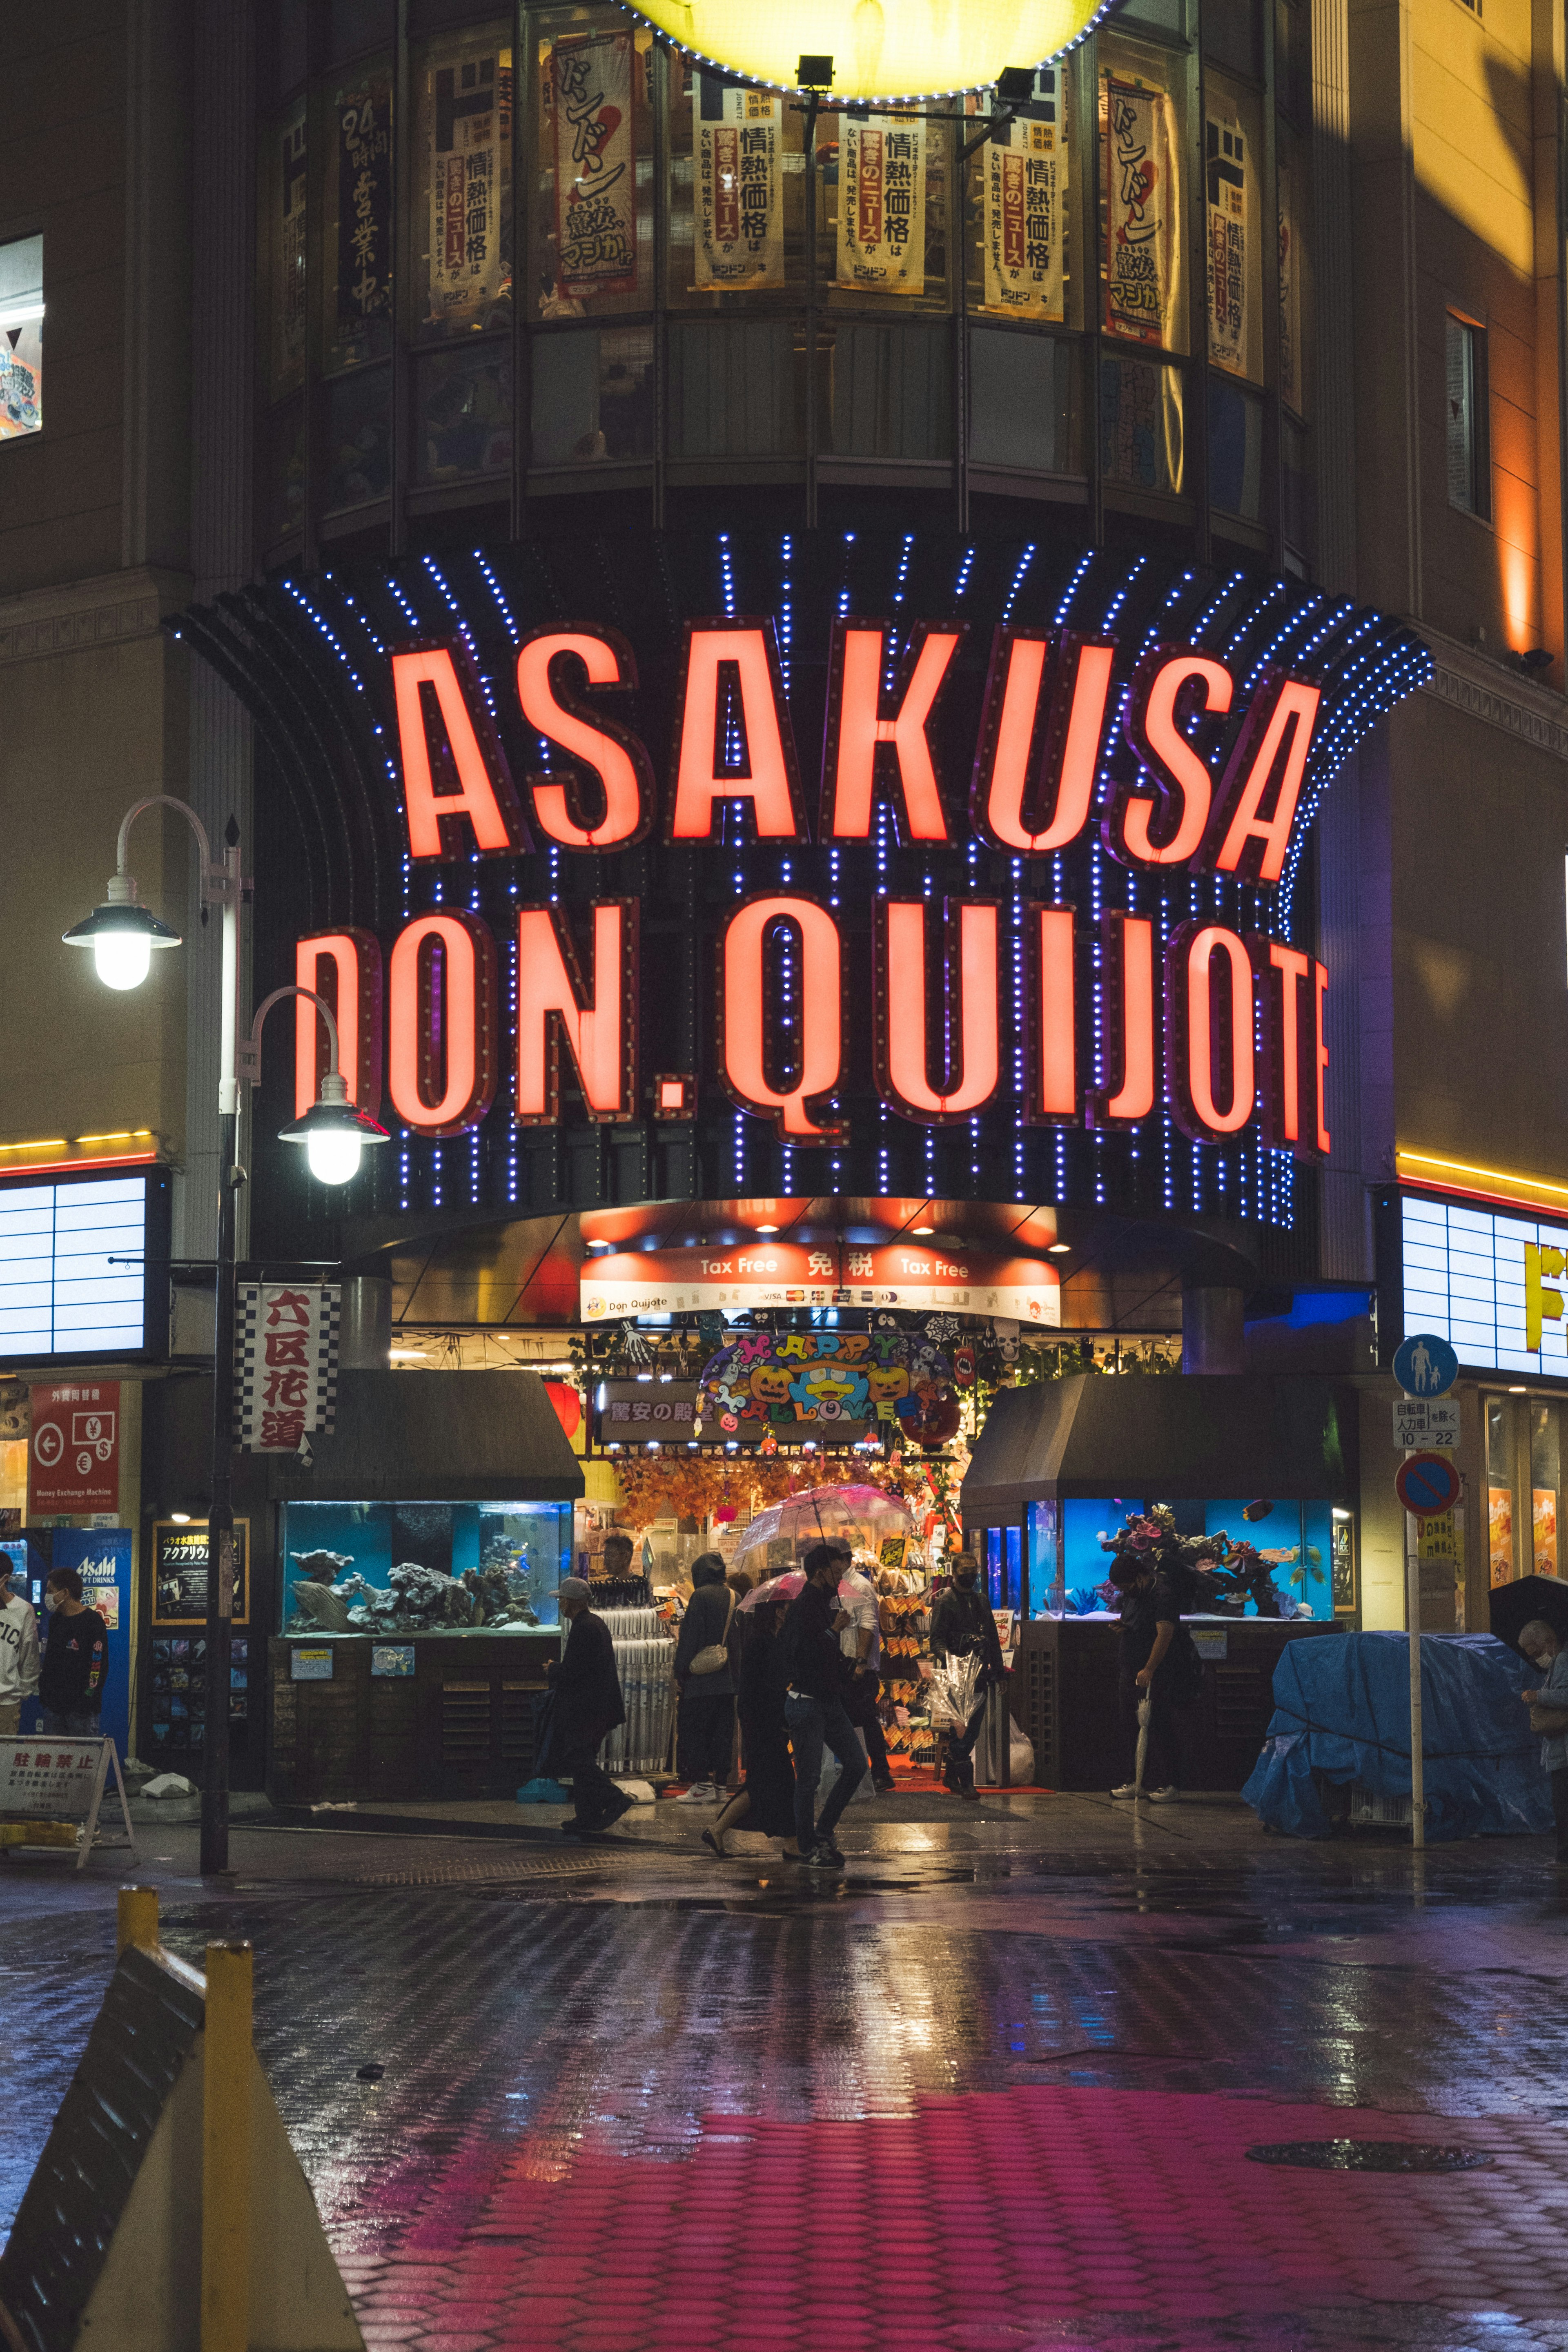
column 1413, row 1619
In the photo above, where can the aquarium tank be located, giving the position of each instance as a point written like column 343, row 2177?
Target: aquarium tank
column 406, row 1569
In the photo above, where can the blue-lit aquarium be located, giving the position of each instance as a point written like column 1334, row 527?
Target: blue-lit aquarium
column 1282, row 1550
column 405, row 1568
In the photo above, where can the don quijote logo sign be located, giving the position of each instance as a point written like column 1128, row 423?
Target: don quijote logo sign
column 1188, row 769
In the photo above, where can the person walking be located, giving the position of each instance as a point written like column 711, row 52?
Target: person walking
column 1160, row 1663
column 962, row 1626
column 76, row 1661
column 813, row 1710
column 19, row 1652
column 588, row 1705
column 766, row 1803
column 860, row 1639
column 1543, row 1648
column 707, row 1656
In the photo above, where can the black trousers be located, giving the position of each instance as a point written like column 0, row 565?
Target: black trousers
column 1162, row 1764
column 861, row 1706
column 704, row 1735
column 1559, row 1808
column 576, row 1759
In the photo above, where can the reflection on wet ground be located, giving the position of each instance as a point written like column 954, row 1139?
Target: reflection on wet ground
column 993, row 2086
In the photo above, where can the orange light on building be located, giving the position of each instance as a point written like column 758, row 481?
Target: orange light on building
column 1276, row 738
column 441, row 1024
column 599, row 1023
column 613, row 754
column 1209, row 1031
column 1126, row 1014
column 1163, row 751
column 862, row 739
column 1050, row 933
column 967, row 1054
column 1070, row 733
column 730, row 685
column 485, row 797
column 343, row 967
column 747, row 1023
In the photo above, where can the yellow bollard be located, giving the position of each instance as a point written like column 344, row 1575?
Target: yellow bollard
column 137, row 1920
column 226, row 2151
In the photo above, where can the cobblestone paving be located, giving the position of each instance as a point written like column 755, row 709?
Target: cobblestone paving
column 992, row 2089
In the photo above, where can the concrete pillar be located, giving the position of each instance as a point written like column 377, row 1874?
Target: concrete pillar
column 1213, row 1339
column 364, row 1332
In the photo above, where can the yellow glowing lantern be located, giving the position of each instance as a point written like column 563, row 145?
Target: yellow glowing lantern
column 879, row 48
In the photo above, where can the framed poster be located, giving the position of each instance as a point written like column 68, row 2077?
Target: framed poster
column 1347, row 1599
column 180, row 1572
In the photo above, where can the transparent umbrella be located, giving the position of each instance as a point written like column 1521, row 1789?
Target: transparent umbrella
column 861, row 1517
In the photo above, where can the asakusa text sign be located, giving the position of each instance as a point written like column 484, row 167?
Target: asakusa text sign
column 1226, row 1029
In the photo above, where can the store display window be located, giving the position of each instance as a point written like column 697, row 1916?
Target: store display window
column 464, row 413
column 1019, row 201
column 593, row 396
column 406, row 1569
column 357, row 320
column 22, row 338
column 736, row 210
column 592, row 228
column 1235, row 228
column 881, row 211
column 1545, row 1486
column 1500, row 1491
column 1143, row 198
column 1142, row 426
column 462, row 236
column 1267, row 1557
column 284, row 186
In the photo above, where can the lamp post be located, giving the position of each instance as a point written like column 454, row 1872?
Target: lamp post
column 123, row 935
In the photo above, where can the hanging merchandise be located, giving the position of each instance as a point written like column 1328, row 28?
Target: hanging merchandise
column 737, row 138
column 1026, row 188
column 1227, row 257
column 1143, row 213
column 596, row 163
column 1290, row 389
column 811, row 1384
column 882, row 205
column 466, row 129
column 645, row 1657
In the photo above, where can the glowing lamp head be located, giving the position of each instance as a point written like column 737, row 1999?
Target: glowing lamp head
column 333, row 1133
column 902, row 49
column 123, row 934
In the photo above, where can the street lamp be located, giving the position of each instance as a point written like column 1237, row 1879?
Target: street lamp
column 122, row 935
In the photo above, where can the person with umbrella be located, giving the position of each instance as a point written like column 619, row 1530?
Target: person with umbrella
column 962, row 1626
column 587, row 1689
column 813, row 1710
column 1549, row 1716
column 766, row 1803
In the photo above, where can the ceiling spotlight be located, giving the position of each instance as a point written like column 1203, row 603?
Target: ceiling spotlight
column 1058, row 1249
column 767, row 1229
column 599, row 1246
column 181, row 1518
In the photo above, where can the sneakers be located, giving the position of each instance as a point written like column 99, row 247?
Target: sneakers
column 1162, row 1795
column 1128, row 1789
column 702, row 1793
column 824, row 1856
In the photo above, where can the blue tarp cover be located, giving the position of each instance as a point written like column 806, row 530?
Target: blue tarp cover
column 1343, row 1709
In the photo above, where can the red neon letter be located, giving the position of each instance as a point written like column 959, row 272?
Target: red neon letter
column 859, row 739
column 441, row 1056
column 1276, row 735
column 1320, row 1055
column 345, row 967
column 1277, row 973
column 1207, row 1053
column 469, row 749
column 969, row 1063
column 1052, row 1087
column 1068, row 740
column 733, row 735
column 1127, row 1011
column 600, row 1026
column 1164, row 752
column 748, row 1015
column 611, row 754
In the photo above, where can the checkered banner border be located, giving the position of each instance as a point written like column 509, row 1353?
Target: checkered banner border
column 321, row 1413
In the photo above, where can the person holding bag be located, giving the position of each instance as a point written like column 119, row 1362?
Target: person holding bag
column 1549, row 1716
column 705, row 1663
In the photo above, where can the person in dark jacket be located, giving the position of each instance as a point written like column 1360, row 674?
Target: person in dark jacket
column 705, row 1725
column 813, row 1710
column 962, row 1626
column 1159, row 1660
column 588, row 1705
column 766, row 1803
column 76, row 1661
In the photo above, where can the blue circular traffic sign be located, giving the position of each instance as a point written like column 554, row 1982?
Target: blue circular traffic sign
column 1426, row 1366
column 1428, row 1484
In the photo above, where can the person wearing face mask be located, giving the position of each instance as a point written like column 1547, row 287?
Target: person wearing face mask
column 76, row 1660
column 962, row 1626
column 18, row 1653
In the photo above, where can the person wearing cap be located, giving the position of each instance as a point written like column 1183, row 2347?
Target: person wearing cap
column 19, row 1652
column 588, row 1705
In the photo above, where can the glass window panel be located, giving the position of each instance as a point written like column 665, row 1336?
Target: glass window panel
column 285, row 480
column 1025, row 404
column 1296, row 348
column 288, row 22
column 592, row 248
column 1546, row 1482
column 1233, row 155
column 1299, row 492
column 737, row 191
column 887, row 243
column 21, row 337
column 1500, row 1489
column 358, row 219
column 1233, row 35
column 400, row 1569
column 359, row 439
column 737, row 388
column 1143, row 195
column 1236, row 449
column 283, row 191
column 465, row 414
column 889, row 391
column 1019, row 198
column 593, row 396
column 462, row 182
column 355, row 26
column 1293, row 59
column 1468, row 420
column 1140, row 426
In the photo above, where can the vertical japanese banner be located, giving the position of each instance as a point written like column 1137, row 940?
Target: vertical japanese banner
column 596, row 164
column 289, row 255
column 737, row 137
column 1290, row 385
column 1026, row 186
column 364, row 221
column 881, row 203
column 1228, row 259
column 467, row 127
column 286, row 1363
column 1142, row 211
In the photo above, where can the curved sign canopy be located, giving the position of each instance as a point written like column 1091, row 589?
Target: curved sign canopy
column 879, row 49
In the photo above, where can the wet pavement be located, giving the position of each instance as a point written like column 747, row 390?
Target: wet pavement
column 992, row 2090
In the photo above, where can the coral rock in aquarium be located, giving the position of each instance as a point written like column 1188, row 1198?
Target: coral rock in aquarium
column 380, row 1568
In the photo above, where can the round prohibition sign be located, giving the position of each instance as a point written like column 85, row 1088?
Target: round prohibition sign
column 1428, row 1484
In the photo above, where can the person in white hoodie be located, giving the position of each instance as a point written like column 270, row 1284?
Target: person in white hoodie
column 18, row 1653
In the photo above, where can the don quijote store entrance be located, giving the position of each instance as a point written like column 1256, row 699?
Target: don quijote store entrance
column 878, row 954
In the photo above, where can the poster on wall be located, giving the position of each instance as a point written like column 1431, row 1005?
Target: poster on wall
column 596, row 163
column 363, row 323
column 180, row 1571
column 289, row 254
column 74, row 1462
column 1228, row 259
column 1143, row 213
column 286, row 1363
column 465, row 122
column 1290, row 387
column 737, row 140
column 881, row 203
column 1025, row 189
